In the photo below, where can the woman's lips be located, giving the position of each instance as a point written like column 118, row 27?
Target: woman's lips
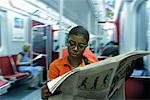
column 74, row 54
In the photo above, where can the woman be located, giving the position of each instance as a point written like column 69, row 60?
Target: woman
column 24, row 62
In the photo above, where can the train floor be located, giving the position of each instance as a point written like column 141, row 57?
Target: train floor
column 21, row 92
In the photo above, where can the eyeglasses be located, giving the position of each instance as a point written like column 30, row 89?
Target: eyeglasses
column 80, row 46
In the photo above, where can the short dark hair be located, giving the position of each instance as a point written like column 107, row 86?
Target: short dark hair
column 111, row 43
column 79, row 30
column 110, row 50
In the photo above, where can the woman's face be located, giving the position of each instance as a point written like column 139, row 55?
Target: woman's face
column 76, row 45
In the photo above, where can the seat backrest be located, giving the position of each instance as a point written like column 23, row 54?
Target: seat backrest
column 13, row 63
column 15, row 59
column 5, row 65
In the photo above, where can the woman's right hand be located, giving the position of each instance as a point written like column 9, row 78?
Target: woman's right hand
column 30, row 62
column 45, row 92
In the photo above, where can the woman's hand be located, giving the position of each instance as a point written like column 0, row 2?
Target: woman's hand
column 30, row 62
column 45, row 92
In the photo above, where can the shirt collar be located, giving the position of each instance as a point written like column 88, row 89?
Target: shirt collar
column 66, row 62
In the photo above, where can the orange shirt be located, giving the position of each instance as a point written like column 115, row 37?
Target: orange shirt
column 61, row 66
column 87, row 53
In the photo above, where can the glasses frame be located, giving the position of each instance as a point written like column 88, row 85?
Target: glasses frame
column 74, row 44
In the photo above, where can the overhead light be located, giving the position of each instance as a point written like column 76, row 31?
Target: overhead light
column 22, row 5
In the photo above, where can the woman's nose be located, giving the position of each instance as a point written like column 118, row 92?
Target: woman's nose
column 76, row 47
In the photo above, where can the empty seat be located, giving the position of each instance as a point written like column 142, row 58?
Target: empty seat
column 4, row 87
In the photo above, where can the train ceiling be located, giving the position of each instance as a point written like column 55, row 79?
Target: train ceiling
column 102, row 9
column 74, row 10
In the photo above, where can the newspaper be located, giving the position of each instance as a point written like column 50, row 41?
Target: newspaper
column 97, row 80
column 37, row 57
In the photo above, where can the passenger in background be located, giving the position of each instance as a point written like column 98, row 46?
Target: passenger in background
column 110, row 51
column 78, row 38
column 24, row 62
column 112, row 43
column 102, row 46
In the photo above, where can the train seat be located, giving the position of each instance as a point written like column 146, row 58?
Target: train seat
column 137, row 88
column 4, row 87
column 9, row 69
column 16, row 76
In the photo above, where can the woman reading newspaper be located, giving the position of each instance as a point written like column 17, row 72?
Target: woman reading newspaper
column 78, row 38
column 24, row 62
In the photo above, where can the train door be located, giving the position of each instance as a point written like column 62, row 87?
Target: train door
column 41, row 39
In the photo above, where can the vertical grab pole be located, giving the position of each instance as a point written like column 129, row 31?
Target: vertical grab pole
column 48, row 47
column 60, row 27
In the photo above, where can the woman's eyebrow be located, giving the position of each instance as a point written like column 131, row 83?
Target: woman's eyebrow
column 76, row 43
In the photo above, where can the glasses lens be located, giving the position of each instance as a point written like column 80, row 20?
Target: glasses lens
column 72, row 44
column 79, row 46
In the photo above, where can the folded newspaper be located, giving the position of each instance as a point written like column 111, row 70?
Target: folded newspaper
column 37, row 57
column 97, row 80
